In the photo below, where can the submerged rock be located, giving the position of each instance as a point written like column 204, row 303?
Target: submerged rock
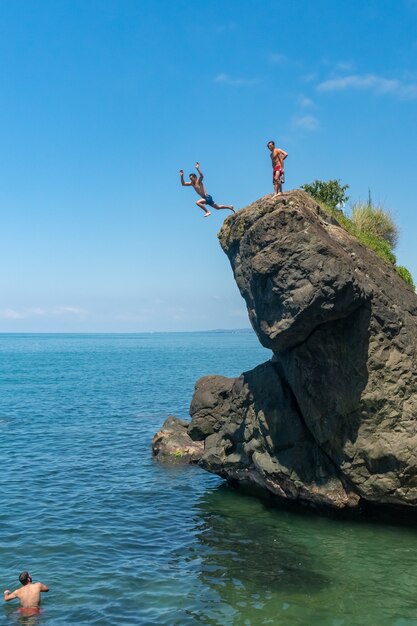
column 331, row 419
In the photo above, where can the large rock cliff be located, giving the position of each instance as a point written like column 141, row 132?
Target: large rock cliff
column 331, row 419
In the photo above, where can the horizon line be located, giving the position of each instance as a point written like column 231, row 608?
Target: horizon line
column 135, row 332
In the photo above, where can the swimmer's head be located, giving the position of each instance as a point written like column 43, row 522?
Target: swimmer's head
column 193, row 177
column 24, row 578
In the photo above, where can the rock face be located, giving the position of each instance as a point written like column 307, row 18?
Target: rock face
column 331, row 419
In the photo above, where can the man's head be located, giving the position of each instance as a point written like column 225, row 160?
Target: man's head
column 193, row 178
column 271, row 145
column 25, row 578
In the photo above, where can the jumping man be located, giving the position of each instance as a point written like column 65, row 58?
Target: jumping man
column 29, row 594
column 277, row 158
column 206, row 198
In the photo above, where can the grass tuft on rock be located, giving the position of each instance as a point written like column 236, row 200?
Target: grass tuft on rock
column 375, row 221
column 378, row 245
column 374, row 228
column 405, row 275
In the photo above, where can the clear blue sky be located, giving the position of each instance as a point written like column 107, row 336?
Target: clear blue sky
column 103, row 101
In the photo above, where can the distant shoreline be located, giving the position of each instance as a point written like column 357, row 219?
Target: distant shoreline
column 236, row 331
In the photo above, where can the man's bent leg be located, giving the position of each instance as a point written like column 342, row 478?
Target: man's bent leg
column 230, row 207
column 277, row 183
column 202, row 204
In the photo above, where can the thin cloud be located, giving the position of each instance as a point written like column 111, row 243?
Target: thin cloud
column 226, row 79
column 344, row 66
column 305, row 102
column 306, row 122
column 11, row 314
column 57, row 311
column 277, row 58
column 309, row 78
column 372, row 82
column 227, row 27
column 73, row 310
column 280, row 59
column 339, row 66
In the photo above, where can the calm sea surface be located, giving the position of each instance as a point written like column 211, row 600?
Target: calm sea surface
column 121, row 540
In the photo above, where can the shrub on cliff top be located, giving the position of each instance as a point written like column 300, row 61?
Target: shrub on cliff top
column 331, row 192
column 378, row 245
column 375, row 221
column 371, row 225
column 382, row 246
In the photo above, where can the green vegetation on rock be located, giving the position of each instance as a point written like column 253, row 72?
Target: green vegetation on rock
column 373, row 226
column 405, row 274
column 378, row 245
column 331, row 192
column 375, row 221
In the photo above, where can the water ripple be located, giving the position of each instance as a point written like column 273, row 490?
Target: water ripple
column 123, row 540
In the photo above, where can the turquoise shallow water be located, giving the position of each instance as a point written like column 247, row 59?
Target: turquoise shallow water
column 121, row 540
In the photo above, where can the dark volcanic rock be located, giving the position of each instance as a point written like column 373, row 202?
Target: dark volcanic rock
column 211, row 400
column 264, row 442
column 331, row 419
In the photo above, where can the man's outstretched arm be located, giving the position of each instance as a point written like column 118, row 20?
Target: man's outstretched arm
column 197, row 167
column 9, row 596
column 183, row 183
column 43, row 587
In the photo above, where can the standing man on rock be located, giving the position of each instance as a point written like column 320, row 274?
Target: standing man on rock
column 29, row 594
column 277, row 157
column 206, row 198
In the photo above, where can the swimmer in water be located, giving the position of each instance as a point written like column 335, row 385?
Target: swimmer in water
column 29, row 594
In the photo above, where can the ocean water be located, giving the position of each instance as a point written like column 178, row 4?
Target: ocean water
column 122, row 540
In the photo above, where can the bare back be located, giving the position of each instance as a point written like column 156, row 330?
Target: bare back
column 30, row 595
